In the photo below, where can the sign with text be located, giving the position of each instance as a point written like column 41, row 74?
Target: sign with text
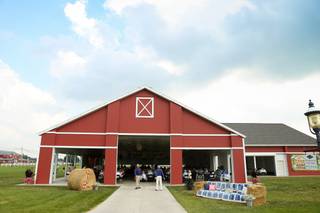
column 305, row 162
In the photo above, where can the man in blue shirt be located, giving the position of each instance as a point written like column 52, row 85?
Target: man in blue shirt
column 159, row 176
column 138, row 174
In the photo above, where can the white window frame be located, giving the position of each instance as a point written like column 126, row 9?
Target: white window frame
column 144, row 107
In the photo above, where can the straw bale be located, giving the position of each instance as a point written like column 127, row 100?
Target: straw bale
column 198, row 185
column 82, row 179
column 259, row 191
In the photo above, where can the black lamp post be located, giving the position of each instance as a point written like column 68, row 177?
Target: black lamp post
column 313, row 116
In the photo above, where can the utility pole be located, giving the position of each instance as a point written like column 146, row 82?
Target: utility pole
column 22, row 154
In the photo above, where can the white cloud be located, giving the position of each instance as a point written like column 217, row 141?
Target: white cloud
column 242, row 95
column 200, row 14
column 25, row 110
column 148, row 55
column 67, row 63
column 170, row 67
column 83, row 25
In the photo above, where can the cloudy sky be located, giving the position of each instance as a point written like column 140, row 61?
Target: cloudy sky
column 234, row 60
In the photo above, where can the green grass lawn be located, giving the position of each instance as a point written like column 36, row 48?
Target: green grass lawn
column 290, row 194
column 15, row 198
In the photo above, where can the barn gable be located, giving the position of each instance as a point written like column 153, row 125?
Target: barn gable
column 143, row 111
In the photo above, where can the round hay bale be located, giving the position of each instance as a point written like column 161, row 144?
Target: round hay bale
column 82, row 179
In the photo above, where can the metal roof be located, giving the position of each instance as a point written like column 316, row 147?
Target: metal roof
column 272, row 134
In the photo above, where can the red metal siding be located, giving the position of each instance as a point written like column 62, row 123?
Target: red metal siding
column 44, row 165
column 175, row 118
column 110, row 165
column 129, row 123
column 236, row 141
column 94, row 122
column 238, row 166
column 113, row 117
column 176, row 141
column 111, row 140
column 48, row 139
column 203, row 141
column 265, row 149
column 176, row 166
column 192, row 123
column 299, row 148
column 80, row 140
column 206, row 141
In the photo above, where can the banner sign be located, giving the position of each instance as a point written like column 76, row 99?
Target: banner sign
column 305, row 162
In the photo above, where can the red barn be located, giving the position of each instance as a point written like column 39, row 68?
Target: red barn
column 143, row 126
column 147, row 127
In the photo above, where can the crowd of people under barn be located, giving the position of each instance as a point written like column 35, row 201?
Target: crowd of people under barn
column 148, row 173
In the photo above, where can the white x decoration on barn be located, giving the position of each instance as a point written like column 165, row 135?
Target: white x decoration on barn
column 144, row 107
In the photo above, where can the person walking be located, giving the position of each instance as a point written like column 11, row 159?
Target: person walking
column 138, row 174
column 159, row 176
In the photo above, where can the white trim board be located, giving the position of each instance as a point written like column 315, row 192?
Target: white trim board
column 206, row 148
column 80, row 147
column 274, row 153
column 281, row 145
column 306, row 153
column 150, row 90
column 260, row 154
column 115, row 147
column 140, row 134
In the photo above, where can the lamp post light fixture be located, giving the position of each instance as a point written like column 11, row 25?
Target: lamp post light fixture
column 313, row 116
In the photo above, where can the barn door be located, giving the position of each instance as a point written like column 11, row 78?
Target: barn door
column 281, row 165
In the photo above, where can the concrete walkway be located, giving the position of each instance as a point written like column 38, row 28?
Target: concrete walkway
column 127, row 199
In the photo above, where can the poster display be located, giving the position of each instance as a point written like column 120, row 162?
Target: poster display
column 305, row 162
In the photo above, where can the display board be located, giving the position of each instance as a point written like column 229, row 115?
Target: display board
column 305, row 162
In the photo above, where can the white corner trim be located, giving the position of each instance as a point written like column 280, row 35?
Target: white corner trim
column 244, row 160
column 232, row 166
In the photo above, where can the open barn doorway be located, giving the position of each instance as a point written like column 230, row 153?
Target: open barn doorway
column 146, row 151
column 67, row 159
column 263, row 165
column 207, row 165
